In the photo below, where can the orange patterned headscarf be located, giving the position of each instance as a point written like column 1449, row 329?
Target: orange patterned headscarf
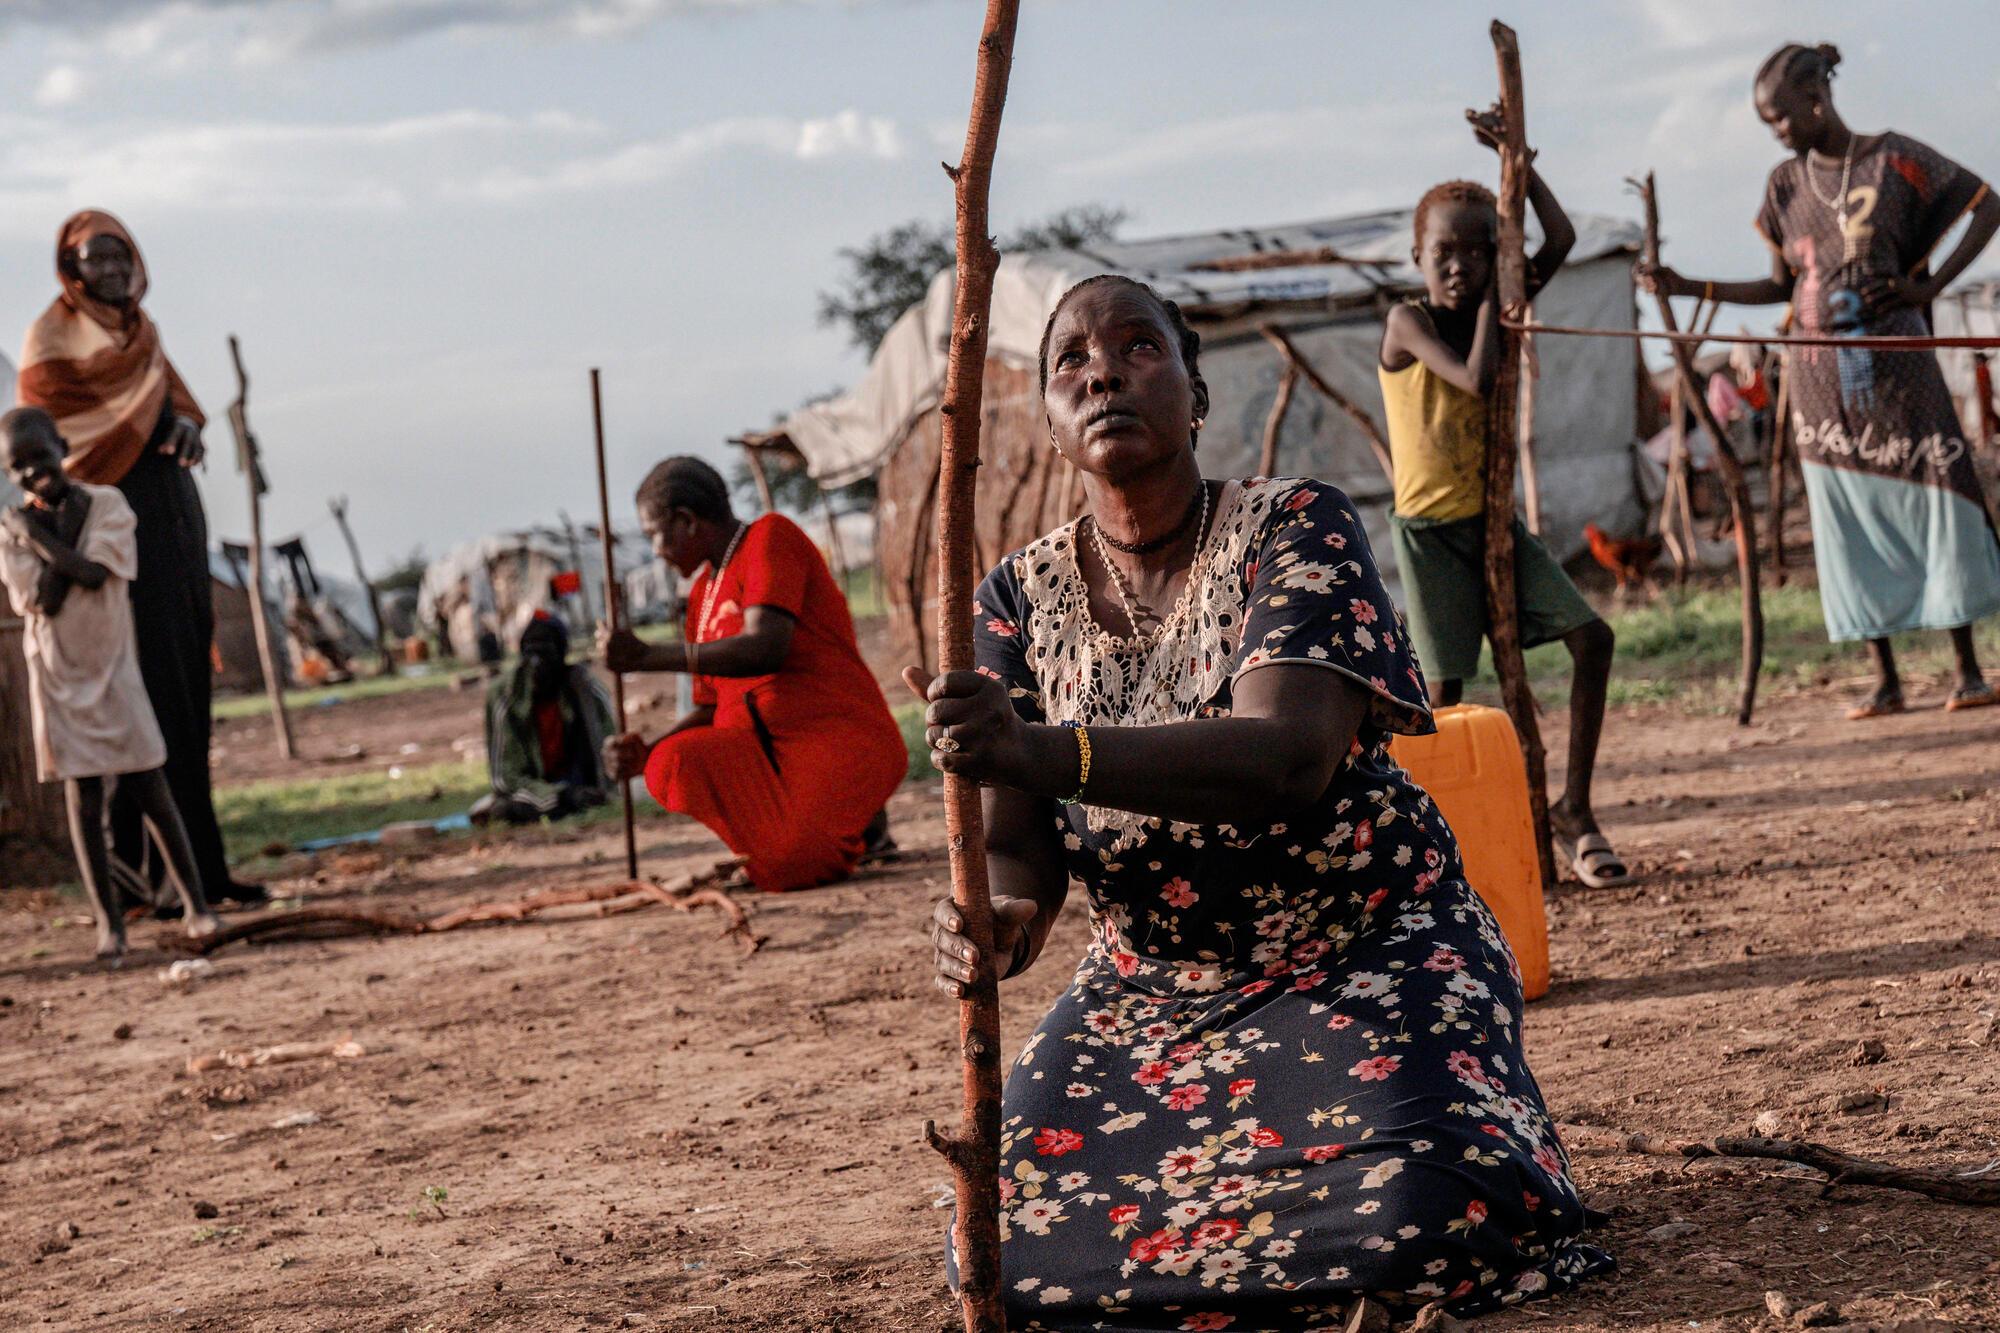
column 97, row 368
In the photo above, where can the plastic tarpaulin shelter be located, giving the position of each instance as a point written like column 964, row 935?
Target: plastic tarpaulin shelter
column 1328, row 285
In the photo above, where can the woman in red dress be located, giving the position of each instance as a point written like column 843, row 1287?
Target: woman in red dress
column 790, row 750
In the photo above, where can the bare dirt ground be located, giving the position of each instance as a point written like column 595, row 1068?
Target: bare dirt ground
column 635, row 1128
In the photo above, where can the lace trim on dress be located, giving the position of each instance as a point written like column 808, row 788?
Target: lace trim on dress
column 1092, row 676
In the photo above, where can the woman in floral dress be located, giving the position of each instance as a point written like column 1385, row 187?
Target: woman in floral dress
column 1288, row 1070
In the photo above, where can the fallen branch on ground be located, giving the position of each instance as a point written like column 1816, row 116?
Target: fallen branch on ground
column 685, row 894
column 249, row 1057
column 1839, row 1168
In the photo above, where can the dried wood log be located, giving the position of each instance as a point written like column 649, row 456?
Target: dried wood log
column 685, row 894
column 973, row 1149
column 284, row 1053
column 1503, row 424
column 1839, row 1168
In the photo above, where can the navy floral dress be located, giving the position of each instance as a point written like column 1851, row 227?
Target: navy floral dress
column 1289, row 1067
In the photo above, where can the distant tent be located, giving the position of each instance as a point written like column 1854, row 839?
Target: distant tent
column 1326, row 284
column 477, row 596
column 1971, row 307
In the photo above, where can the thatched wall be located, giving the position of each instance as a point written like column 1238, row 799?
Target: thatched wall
column 28, row 808
column 1025, row 489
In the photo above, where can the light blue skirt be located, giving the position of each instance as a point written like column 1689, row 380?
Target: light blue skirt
column 1898, row 555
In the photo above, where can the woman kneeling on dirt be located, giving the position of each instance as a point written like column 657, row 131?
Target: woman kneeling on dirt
column 790, row 750
column 1184, row 701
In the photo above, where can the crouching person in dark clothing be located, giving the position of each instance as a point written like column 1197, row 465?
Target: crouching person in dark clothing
column 546, row 722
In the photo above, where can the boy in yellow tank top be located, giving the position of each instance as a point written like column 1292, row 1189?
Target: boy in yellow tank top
column 1438, row 361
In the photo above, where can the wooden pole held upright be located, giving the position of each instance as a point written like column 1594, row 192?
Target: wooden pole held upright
column 1503, row 423
column 252, row 467
column 1732, row 475
column 338, row 504
column 973, row 1149
column 612, row 603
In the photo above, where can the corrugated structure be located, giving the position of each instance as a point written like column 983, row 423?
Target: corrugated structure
column 1327, row 285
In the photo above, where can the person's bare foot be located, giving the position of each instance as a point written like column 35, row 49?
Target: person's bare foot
column 111, row 947
column 201, row 927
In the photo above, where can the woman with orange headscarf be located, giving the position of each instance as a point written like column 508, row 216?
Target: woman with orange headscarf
column 94, row 362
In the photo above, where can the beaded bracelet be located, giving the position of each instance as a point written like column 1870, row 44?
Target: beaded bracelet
column 1082, row 762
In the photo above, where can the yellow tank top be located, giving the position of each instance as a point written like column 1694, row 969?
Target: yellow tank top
column 1437, row 444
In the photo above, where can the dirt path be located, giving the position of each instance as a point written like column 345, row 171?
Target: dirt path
column 637, row 1129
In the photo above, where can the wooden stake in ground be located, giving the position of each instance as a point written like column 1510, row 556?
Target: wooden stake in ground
column 338, row 504
column 973, row 1150
column 1732, row 475
column 1503, row 423
column 252, row 466
column 612, row 602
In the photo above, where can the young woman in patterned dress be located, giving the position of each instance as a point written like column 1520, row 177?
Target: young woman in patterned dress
column 1288, row 1070
column 1901, row 532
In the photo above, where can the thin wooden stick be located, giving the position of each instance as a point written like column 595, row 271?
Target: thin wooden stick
column 1503, row 423
column 1267, row 460
column 248, row 462
column 1839, row 1168
column 685, row 894
column 338, row 504
column 1296, row 359
column 1732, row 473
column 1531, row 488
column 973, row 1150
column 1781, row 427
column 612, row 603
column 755, row 457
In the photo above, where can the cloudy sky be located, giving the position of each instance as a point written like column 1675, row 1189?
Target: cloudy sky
column 427, row 218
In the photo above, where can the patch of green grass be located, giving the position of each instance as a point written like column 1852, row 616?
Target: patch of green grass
column 255, row 815
column 1684, row 648
column 368, row 687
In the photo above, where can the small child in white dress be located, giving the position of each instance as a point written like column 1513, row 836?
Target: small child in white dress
column 66, row 555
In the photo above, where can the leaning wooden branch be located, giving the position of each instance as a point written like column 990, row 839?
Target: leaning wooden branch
column 1839, row 1168
column 973, row 1150
column 1732, row 474
column 1503, row 426
column 684, row 894
column 1295, row 360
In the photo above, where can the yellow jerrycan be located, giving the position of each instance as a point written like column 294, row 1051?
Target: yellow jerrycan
column 1474, row 771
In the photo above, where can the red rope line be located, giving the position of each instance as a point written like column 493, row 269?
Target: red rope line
column 1876, row 342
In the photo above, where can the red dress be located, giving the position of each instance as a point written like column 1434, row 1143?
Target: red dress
column 795, row 764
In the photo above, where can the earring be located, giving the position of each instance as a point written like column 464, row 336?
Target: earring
column 1199, row 422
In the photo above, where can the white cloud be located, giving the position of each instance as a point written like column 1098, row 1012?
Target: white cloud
column 391, row 164
column 61, row 86
column 268, row 31
column 848, row 134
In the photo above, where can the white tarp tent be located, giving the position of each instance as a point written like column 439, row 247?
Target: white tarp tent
column 1327, row 284
column 1970, row 308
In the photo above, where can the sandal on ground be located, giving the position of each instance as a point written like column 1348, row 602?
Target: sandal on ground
column 1982, row 695
column 1593, row 862
column 1882, row 705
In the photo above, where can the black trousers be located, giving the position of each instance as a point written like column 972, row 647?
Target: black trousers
column 173, row 613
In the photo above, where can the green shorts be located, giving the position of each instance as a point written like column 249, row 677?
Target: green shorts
column 1443, row 569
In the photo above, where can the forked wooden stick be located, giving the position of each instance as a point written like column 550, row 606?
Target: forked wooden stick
column 973, row 1150
column 1732, row 475
column 1503, row 429
column 1839, row 1168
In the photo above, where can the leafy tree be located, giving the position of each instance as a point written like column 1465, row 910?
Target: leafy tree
column 405, row 574
column 892, row 271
